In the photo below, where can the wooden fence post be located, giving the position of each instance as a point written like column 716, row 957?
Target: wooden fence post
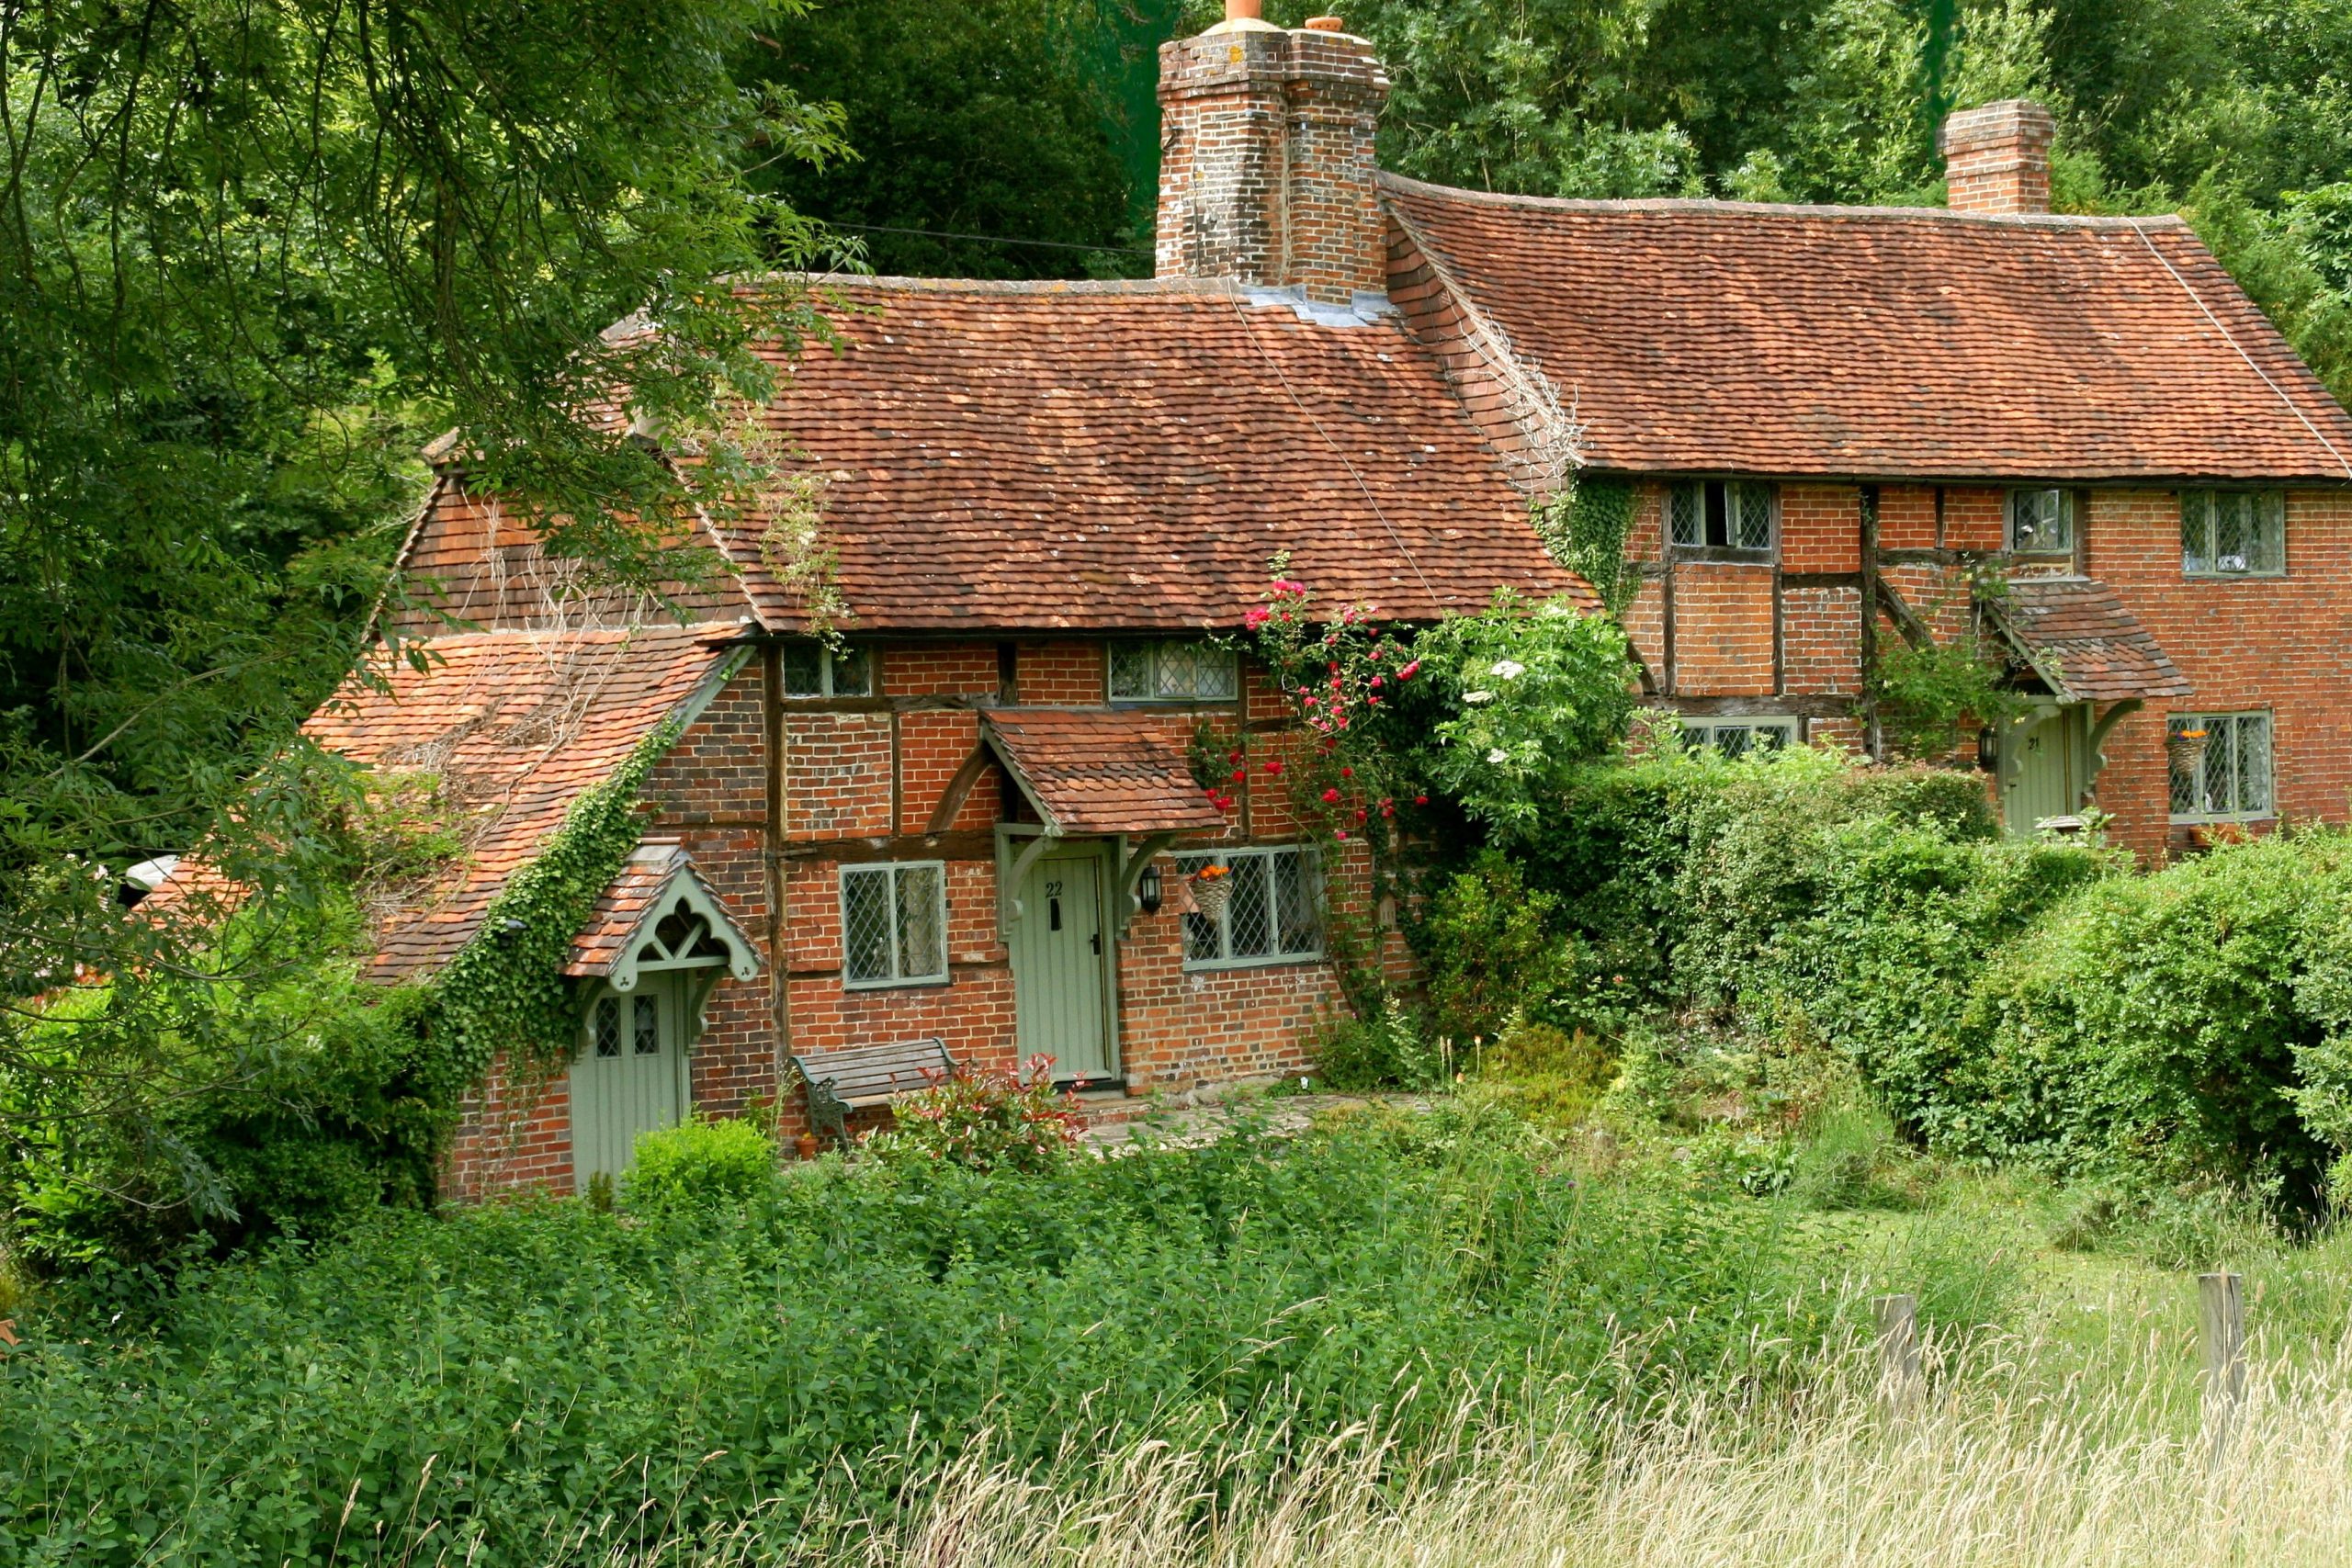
column 2221, row 1313
column 1900, row 1381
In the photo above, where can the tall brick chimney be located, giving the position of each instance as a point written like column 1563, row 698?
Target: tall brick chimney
column 1265, row 157
column 1996, row 159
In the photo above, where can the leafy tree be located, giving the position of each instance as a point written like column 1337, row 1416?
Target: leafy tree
column 255, row 249
column 998, row 119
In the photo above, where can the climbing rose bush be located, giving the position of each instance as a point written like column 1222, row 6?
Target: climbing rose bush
column 1491, row 709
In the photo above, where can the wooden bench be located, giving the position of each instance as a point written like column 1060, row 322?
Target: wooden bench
column 842, row 1081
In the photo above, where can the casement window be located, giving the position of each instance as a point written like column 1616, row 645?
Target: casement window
column 1273, row 915
column 1740, row 737
column 1723, row 514
column 1171, row 671
column 2041, row 521
column 894, row 924
column 812, row 670
column 2220, row 766
column 642, row 1034
column 2233, row 533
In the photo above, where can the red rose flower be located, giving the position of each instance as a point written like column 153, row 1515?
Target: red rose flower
column 1331, row 798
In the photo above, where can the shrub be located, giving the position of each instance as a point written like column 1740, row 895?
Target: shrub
column 2165, row 1023
column 1489, row 952
column 984, row 1119
column 1555, row 1077
column 1385, row 1051
column 698, row 1164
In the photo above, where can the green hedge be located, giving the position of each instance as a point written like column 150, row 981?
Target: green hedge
column 2005, row 999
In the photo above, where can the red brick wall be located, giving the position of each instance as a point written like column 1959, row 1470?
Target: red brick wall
column 511, row 1136
column 2283, row 644
column 1821, row 641
column 1723, row 629
column 1906, row 518
column 1062, row 673
column 1821, row 528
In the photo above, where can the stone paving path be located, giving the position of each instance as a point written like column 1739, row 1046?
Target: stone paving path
column 1199, row 1124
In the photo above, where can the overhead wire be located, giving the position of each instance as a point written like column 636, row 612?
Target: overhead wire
column 2293, row 407
column 1233, row 298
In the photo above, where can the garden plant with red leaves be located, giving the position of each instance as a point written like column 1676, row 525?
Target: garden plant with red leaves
column 985, row 1120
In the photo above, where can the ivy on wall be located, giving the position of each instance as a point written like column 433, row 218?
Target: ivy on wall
column 1584, row 528
column 507, row 989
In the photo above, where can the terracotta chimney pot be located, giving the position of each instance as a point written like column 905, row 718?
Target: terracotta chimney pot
column 1244, row 10
column 1325, row 24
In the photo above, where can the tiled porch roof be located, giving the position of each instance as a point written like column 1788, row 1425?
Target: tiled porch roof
column 1099, row 770
column 2079, row 636
column 651, row 878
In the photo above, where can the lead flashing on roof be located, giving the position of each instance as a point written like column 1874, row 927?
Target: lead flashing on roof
column 1366, row 309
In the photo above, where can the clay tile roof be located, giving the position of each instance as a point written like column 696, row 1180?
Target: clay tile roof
column 1100, row 771
column 516, row 724
column 637, row 892
column 622, row 910
column 2083, row 642
column 1128, row 457
column 1694, row 336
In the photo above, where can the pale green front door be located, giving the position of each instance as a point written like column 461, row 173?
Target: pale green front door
column 2047, row 775
column 631, row 1074
column 1057, row 966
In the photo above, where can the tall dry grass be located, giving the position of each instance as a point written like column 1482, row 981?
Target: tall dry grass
column 1997, row 1465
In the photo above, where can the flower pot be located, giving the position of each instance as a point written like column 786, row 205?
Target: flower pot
column 2185, row 751
column 1210, row 894
column 807, row 1144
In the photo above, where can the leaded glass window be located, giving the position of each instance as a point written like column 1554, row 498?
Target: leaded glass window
column 647, row 1031
column 2041, row 521
column 2233, row 533
column 1739, row 737
column 2220, row 766
column 812, row 670
column 608, row 1027
column 1170, row 670
column 894, row 924
column 1273, row 914
column 1724, row 515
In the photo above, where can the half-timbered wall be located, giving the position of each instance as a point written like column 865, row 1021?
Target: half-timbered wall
column 1788, row 636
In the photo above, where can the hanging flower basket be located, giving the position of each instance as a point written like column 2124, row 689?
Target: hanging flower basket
column 2185, row 751
column 1211, row 887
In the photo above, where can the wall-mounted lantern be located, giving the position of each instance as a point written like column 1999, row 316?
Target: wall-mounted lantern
column 1147, row 889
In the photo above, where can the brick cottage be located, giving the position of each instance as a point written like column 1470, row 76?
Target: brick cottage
column 1044, row 499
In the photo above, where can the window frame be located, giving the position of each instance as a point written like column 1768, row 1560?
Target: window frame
column 1229, row 661
column 898, row 979
column 1309, row 855
column 2069, row 513
column 2273, row 514
column 1697, row 731
column 827, row 661
column 2268, row 810
column 1699, row 549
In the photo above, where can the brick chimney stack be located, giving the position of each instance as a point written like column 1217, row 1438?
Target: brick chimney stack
column 1265, row 157
column 1996, row 159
